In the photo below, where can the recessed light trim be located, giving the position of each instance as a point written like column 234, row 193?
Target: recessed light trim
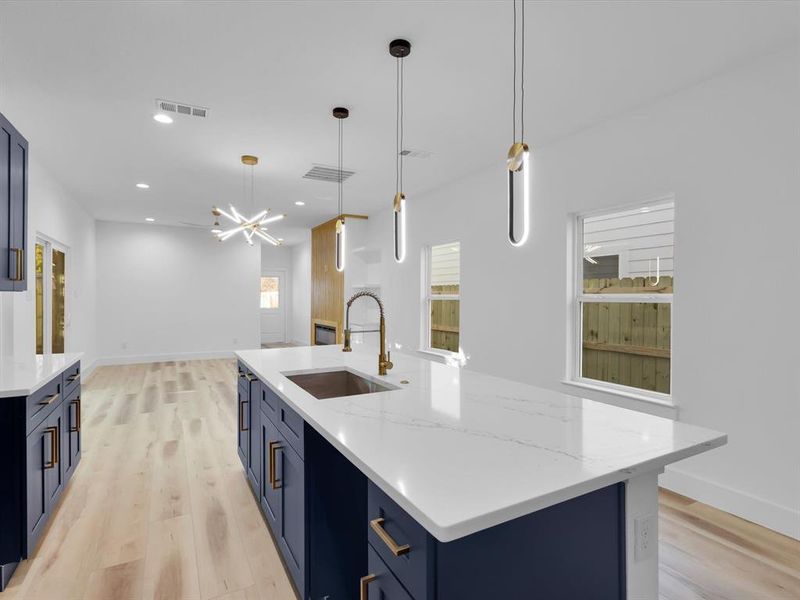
column 143, row 186
column 149, row 219
column 300, row 203
column 162, row 118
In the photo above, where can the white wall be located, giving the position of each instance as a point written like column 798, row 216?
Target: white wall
column 173, row 292
column 728, row 150
column 300, row 321
column 57, row 215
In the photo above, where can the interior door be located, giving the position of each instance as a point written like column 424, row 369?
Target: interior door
column 273, row 307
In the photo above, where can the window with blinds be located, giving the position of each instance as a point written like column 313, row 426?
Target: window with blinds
column 442, row 301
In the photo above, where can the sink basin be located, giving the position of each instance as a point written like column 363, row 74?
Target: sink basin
column 335, row 384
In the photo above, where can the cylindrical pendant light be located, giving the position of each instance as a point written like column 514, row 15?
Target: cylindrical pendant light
column 519, row 154
column 399, row 49
column 341, row 114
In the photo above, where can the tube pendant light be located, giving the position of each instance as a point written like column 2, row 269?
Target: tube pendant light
column 341, row 240
column 399, row 49
column 518, row 160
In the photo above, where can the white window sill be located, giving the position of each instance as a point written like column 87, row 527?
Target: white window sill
column 442, row 356
column 657, row 399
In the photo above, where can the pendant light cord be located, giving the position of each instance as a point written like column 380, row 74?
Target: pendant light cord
column 522, row 78
column 341, row 151
column 397, row 156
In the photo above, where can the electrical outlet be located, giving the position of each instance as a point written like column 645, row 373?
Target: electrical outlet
column 235, row 341
column 646, row 531
column 124, row 345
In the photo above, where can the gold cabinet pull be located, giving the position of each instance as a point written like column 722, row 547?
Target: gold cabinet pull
column 241, row 415
column 53, row 431
column 397, row 550
column 49, row 399
column 19, row 264
column 77, row 403
column 72, row 378
column 364, row 584
column 273, row 468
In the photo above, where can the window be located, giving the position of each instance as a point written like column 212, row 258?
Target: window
column 442, row 297
column 623, row 300
column 50, row 297
column 270, row 292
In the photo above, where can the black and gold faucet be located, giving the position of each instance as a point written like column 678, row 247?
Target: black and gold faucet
column 384, row 358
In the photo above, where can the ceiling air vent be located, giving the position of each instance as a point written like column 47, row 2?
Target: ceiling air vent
column 326, row 173
column 409, row 153
column 180, row 108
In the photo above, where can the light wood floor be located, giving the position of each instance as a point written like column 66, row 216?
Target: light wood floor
column 159, row 508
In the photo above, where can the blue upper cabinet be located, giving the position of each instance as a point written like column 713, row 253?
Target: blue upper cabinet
column 13, row 208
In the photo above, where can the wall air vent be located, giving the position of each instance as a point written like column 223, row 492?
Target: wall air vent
column 327, row 173
column 409, row 153
column 168, row 106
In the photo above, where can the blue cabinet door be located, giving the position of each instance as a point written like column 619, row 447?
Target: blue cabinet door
column 44, row 476
column 254, row 436
column 270, row 493
column 292, row 537
column 243, row 414
column 71, row 434
column 13, row 207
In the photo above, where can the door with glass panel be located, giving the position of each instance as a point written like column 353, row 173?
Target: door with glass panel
column 51, row 282
column 273, row 307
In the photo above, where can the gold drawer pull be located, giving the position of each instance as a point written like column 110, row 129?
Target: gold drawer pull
column 49, row 399
column 363, row 584
column 241, row 416
column 77, row 403
column 53, row 431
column 273, row 471
column 377, row 527
column 72, row 378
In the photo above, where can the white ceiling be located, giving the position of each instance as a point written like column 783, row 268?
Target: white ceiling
column 79, row 79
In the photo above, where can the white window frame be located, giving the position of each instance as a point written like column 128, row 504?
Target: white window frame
column 575, row 325
column 427, row 298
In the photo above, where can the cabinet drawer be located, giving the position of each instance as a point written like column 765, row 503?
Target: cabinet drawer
column 394, row 532
column 270, row 402
column 42, row 402
column 72, row 377
column 385, row 585
column 291, row 426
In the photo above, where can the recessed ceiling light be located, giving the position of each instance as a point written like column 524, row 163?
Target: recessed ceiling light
column 149, row 219
column 300, row 203
column 143, row 186
column 162, row 118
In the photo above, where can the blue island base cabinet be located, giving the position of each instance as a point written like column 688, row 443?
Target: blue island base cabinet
column 534, row 556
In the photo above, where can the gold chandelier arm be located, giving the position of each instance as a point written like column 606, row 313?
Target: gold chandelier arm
column 228, row 216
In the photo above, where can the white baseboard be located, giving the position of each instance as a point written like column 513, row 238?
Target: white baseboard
column 773, row 516
column 151, row 358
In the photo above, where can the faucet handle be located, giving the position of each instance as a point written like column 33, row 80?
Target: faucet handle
column 389, row 363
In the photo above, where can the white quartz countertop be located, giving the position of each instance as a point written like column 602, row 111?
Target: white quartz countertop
column 461, row 451
column 21, row 376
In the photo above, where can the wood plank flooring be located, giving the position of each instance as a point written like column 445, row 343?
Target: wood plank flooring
column 159, row 508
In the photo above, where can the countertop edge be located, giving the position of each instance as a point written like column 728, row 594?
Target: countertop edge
column 20, row 392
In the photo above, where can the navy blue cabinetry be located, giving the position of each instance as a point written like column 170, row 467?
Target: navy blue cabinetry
column 270, row 494
column 13, row 207
column 41, row 447
column 253, row 441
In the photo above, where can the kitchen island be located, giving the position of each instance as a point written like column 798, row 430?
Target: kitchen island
column 449, row 483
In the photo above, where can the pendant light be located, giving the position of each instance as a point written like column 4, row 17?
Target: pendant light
column 249, row 227
column 399, row 49
column 341, row 114
column 519, row 153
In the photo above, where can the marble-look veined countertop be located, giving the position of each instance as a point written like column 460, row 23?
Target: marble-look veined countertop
column 461, row 451
column 21, row 376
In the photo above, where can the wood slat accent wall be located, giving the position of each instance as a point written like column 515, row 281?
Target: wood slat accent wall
column 327, row 284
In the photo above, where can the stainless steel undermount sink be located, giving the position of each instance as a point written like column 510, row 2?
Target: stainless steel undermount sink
column 335, row 384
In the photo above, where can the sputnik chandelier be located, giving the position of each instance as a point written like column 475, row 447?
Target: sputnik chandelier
column 249, row 227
